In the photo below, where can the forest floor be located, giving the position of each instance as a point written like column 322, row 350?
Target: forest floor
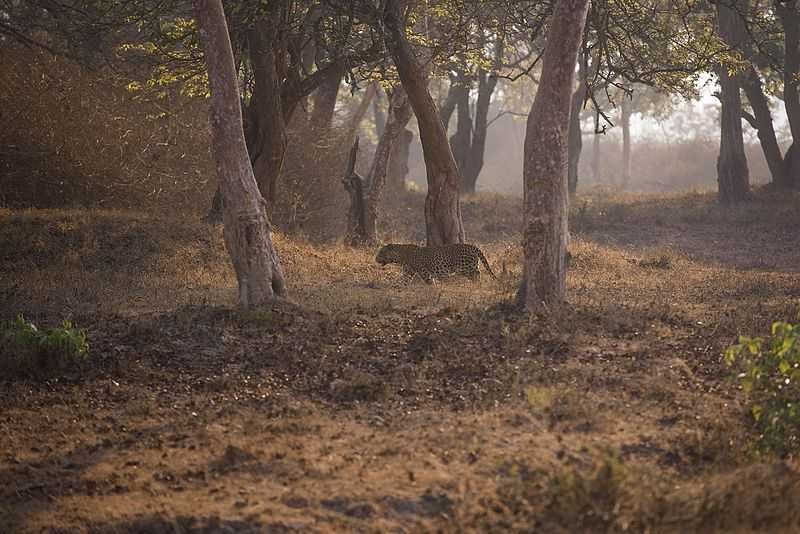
column 365, row 405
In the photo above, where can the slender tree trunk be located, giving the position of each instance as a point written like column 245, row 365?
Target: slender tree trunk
column 575, row 140
column 399, row 115
column 545, row 163
column 474, row 161
column 361, row 111
column 379, row 116
column 575, row 136
column 449, row 103
column 461, row 140
column 442, row 206
column 398, row 162
column 625, row 122
column 247, row 228
column 325, row 100
column 596, row 149
column 732, row 173
column 751, row 83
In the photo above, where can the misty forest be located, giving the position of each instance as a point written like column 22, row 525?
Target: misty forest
column 399, row 266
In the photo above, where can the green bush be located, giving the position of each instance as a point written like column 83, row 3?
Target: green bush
column 27, row 351
column 769, row 373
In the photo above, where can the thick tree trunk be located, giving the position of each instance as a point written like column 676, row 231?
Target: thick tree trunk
column 442, row 206
column 625, row 122
column 247, row 228
column 266, row 114
column 732, row 174
column 399, row 115
column 545, row 163
column 398, row 162
column 325, row 100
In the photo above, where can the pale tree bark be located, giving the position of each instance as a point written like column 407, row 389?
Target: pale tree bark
column 732, row 173
column 442, row 205
column 625, row 122
column 247, row 228
column 399, row 115
column 545, row 164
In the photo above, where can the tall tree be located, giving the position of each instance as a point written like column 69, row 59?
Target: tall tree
column 732, row 173
column 247, row 228
column 545, row 163
column 443, row 223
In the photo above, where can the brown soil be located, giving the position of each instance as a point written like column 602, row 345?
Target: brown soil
column 368, row 405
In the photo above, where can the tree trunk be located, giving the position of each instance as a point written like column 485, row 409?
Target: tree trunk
column 361, row 110
column 762, row 116
column 379, row 116
column 545, row 163
column 732, row 173
column 399, row 115
column 247, row 228
column 790, row 19
column 575, row 136
column 325, row 100
column 398, row 162
column 357, row 214
column 449, row 104
column 596, row 149
column 625, row 122
column 266, row 117
column 442, row 206
column 474, row 161
column 461, row 140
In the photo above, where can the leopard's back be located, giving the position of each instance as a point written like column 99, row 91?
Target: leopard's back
column 436, row 262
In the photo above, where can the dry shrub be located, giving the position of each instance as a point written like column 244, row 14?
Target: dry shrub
column 76, row 137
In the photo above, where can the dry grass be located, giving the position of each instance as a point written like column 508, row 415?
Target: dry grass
column 372, row 405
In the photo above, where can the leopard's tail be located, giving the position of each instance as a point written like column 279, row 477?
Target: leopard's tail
column 486, row 264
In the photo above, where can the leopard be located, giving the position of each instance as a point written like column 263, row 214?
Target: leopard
column 436, row 262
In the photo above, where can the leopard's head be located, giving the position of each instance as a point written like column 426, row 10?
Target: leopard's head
column 388, row 254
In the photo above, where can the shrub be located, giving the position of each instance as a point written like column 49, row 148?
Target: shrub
column 769, row 373
column 27, row 351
